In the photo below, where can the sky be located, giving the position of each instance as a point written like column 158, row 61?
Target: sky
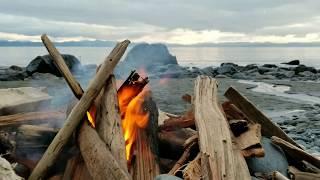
column 168, row 21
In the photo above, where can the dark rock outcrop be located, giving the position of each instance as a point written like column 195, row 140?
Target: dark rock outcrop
column 13, row 73
column 302, row 68
column 45, row 64
column 148, row 56
column 293, row 62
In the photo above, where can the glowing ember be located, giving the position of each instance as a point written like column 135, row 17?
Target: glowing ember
column 91, row 114
column 133, row 116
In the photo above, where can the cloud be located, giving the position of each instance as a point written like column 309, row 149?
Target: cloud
column 180, row 21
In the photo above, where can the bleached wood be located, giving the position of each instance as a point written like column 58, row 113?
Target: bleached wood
column 268, row 128
column 21, row 118
column 63, row 68
column 218, row 160
column 249, row 138
column 98, row 158
column 109, row 122
column 294, row 152
column 79, row 111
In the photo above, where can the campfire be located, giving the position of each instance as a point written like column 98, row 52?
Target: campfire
column 112, row 133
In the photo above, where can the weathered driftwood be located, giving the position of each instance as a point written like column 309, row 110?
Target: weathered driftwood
column 109, row 123
column 79, row 111
column 232, row 111
column 296, row 174
column 253, row 152
column 193, row 169
column 63, row 68
column 146, row 164
column 249, row 138
column 172, row 143
column 187, row 98
column 218, row 160
column 98, row 158
column 268, row 128
column 184, row 157
column 184, row 121
column 23, row 99
column 277, row 176
column 21, row 118
column 294, row 152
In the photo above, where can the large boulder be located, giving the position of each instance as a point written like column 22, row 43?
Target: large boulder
column 148, row 56
column 45, row 64
column 302, row 68
column 274, row 159
column 13, row 73
column 227, row 69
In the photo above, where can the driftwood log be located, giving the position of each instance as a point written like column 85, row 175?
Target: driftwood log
column 294, row 152
column 268, row 128
column 296, row 174
column 109, row 122
column 79, row 111
column 146, row 165
column 22, row 118
column 63, row 68
column 218, row 160
column 99, row 160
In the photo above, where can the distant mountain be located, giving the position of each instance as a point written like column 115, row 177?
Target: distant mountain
column 96, row 43
column 100, row 43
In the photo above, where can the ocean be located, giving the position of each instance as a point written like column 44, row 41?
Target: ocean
column 186, row 56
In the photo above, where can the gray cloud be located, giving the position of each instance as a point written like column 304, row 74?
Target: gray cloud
column 126, row 18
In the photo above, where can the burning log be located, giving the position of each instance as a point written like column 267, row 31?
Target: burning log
column 21, row 118
column 79, row 111
column 218, row 160
column 146, row 166
column 99, row 160
column 294, row 152
column 109, row 123
column 254, row 114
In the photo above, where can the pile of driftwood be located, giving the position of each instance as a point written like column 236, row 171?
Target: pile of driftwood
column 210, row 141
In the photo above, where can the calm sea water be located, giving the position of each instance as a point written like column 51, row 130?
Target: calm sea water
column 187, row 56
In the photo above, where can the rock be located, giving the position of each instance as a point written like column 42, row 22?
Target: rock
column 274, row 159
column 148, row 56
column 293, row 62
column 239, row 75
column 166, row 177
column 227, row 68
column 250, row 67
column 16, row 68
column 23, row 99
column 263, row 69
column 302, row 68
column 270, row 66
column 209, row 71
column 6, row 171
column 45, row 64
column 306, row 74
column 12, row 74
column 221, row 76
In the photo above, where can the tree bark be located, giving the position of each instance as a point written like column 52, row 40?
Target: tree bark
column 218, row 160
column 79, row 111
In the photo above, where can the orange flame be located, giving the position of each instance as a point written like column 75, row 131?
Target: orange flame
column 133, row 116
column 91, row 115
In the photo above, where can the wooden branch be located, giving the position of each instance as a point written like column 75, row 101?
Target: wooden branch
column 21, row 118
column 193, row 169
column 63, row 68
column 277, row 176
column 294, row 152
column 217, row 156
column 98, row 158
column 182, row 159
column 253, row 152
column 191, row 140
column 184, row 121
column 109, row 123
column 268, row 128
column 299, row 175
column 232, row 111
column 79, row 111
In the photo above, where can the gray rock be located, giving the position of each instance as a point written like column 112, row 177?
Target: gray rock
column 239, row 75
column 221, row 76
column 306, row 74
column 12, row 74
column 45, row 64
column 302, row 68
column 166, row 177
column 270, row 66
column 250, row 67
column 274, row 159
column 227, row 68
column 148, row 56
column 293, row 62
column 209, row 71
